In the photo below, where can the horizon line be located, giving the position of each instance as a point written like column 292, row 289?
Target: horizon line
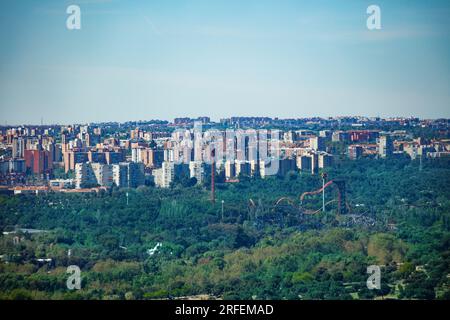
column 215, row 121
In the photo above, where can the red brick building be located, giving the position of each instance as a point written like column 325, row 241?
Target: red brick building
column 38, row 161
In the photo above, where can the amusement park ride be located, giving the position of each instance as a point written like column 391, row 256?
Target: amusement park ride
column 341, row 198
column 342, row 207
column 294, row 211
column 342, row 202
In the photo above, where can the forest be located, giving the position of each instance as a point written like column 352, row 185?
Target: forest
column 243, row 246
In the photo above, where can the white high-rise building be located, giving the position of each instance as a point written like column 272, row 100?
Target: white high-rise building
column 242, row 167
column 84, row 175
column 136, row 174
column 136, row 155
column 325, row 160
column 124, row 174
column 385, row 146
column 254, row 167
column 269, row 167
column 89, row 174
column 317, row 143
column 230, row 169
column 18, row 148
column 103, row 174
column 198, row 141
column 165, row 175
column 197, row 170
column 128, row 174
column 120, row 176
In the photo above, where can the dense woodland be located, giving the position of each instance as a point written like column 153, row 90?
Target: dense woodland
column 399, row 218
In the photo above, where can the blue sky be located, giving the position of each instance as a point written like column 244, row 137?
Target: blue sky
column 136, row 60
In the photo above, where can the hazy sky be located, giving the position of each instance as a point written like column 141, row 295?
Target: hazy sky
column 147, row 59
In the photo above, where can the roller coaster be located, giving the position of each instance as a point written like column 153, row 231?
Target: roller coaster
column 343, row 206
column 342, row 201
column 289, row 211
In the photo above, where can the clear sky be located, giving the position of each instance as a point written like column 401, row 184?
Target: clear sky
column 148, row 59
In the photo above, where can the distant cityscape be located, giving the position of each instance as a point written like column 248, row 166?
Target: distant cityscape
column 96, row 156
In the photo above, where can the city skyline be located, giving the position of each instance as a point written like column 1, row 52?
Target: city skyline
column 233, row 152
column 138, row 60
column 193, row 119
column 125, row 202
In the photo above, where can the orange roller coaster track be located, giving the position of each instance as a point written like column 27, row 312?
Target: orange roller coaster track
column 342, row 203
column 340, row 184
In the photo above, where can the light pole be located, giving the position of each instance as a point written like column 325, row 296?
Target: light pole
column 213, row 176
column 222, row 208
column 324, row 176
column 420, row 165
